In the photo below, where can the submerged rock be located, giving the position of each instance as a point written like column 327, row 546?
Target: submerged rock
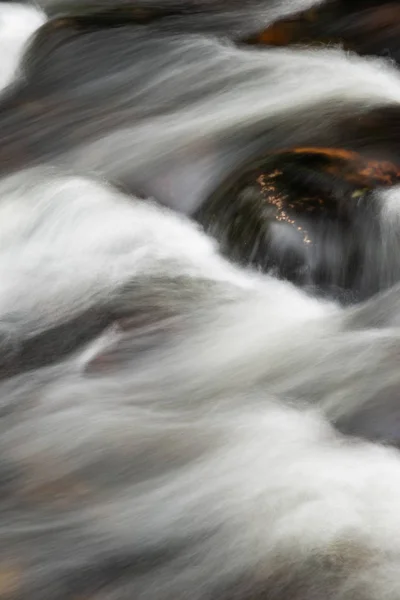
column 308, row 215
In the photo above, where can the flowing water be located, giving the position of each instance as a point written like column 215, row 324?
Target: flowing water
column 200, row 402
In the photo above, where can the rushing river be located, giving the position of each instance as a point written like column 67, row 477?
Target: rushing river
column 199, row 301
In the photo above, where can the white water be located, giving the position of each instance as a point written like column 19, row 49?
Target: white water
column 201, row 426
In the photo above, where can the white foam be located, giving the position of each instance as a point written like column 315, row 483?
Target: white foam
column 17, row 23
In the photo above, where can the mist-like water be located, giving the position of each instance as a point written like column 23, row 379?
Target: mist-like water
column 173, row 425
